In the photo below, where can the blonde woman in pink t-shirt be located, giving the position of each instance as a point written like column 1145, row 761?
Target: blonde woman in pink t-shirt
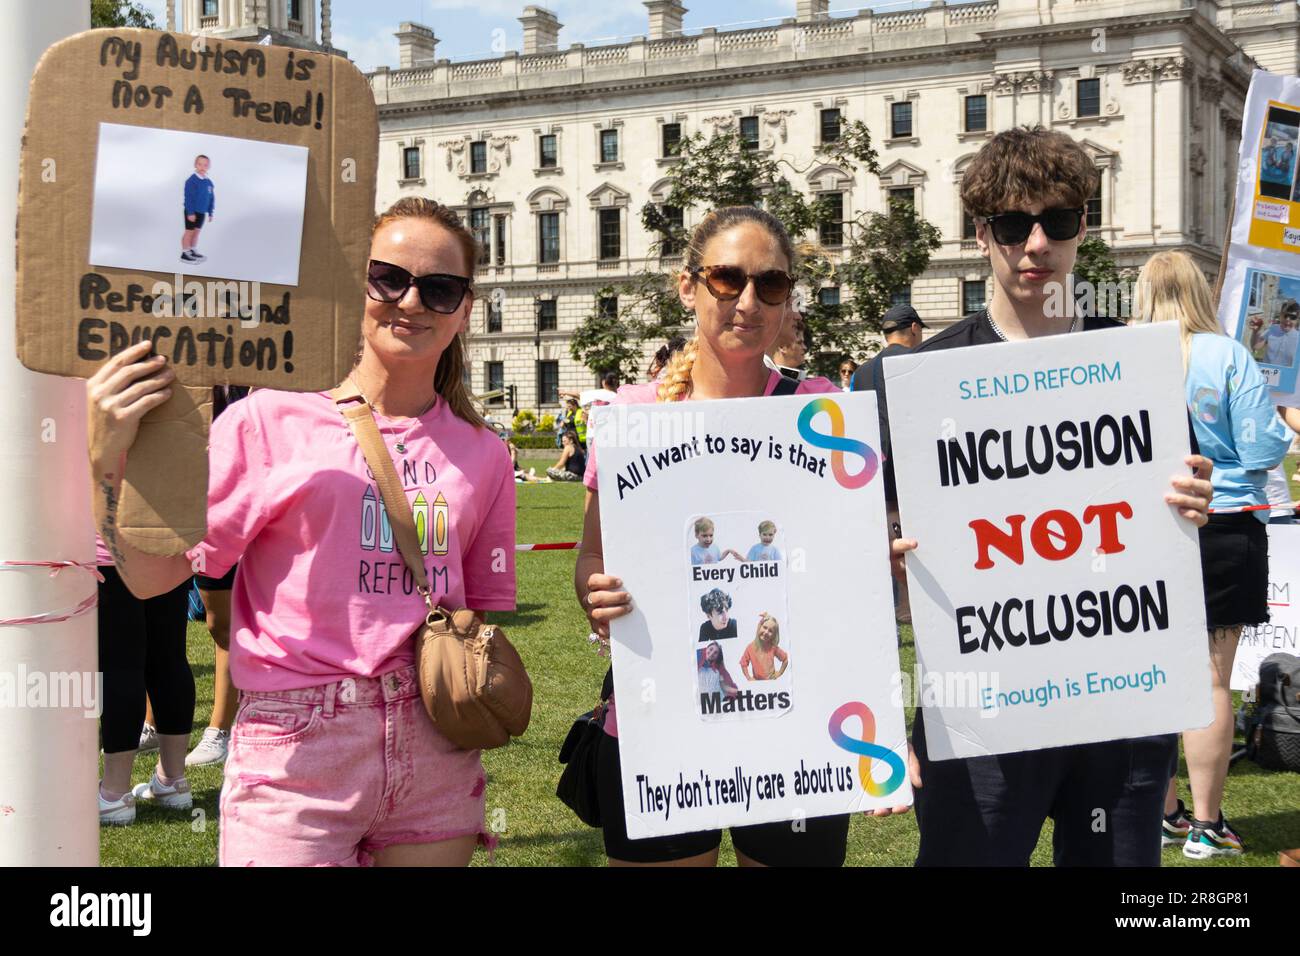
column 737, row 280
column 332, row 758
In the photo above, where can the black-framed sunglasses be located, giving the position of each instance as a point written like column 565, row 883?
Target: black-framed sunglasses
column 726, row 283
column 1013, row 228
column 440, row 293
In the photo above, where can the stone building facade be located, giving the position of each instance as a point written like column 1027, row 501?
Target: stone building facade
column 550, row 152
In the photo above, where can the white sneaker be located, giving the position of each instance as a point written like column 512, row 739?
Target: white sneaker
column 116, row 813
column 148, row 738
column 175, row 797
column 211, row 749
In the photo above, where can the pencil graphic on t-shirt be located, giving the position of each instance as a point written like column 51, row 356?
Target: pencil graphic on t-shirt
column 441, row 519
column 420, row 508
column 385, row 530
column 369, row 520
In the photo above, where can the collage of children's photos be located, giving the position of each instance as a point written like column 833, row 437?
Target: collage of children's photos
column 737, row 615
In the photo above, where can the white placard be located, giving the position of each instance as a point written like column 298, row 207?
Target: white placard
column 1279, row 635
column 731, row 522
column 1056, row 597
column 139, row 216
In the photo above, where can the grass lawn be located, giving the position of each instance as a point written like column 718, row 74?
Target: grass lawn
column 535, row 828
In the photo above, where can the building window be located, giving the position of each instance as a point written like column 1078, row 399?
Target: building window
column 478, row 156
column 672, row 136
column 1089, row 98
column 548, row 237
column 749, row 132
column 967, row 225
column 900, row 120
column 1093, row 207
column 831, row 232
column 493, row 323
column 830, row 125
column 671, row 244
column 295, row 9
column 609, row 146
column 901, row 296
column 500, row 224
column 977, row 114
column 546, row 315
column 972, row 295
column 610, row 238
column 548, row 383
column 548, row 153
column 608, row 307
column 829, row 297
column 480, row 224
column 494, row 375
column 210, row 8
column 411, row 162
column 903, row 195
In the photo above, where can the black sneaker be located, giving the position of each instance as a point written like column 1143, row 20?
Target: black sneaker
column 196, row 256
column 187, row 256
column 1175, row 827
column 1212, row 839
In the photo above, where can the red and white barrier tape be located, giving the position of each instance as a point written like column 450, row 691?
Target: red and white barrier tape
column 62, row 614
column 558, row 546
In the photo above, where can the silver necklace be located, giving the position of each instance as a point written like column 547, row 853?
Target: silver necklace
column 1074, row 324
column 401, row 442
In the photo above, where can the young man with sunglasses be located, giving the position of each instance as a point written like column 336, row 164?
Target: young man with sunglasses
column 1026, row 189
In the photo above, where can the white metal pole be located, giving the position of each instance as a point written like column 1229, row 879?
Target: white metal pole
column 48, row 754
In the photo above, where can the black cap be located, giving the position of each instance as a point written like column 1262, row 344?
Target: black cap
column 900, row 317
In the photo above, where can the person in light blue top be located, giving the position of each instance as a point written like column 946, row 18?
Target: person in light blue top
column 1238, row 428
column 704, row 551
column 765, row 550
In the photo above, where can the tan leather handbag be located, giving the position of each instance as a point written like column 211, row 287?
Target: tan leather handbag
column 472, row 679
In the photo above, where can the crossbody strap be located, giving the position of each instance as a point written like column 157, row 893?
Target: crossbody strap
column 361, row 420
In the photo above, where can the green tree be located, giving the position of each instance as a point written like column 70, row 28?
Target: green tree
column 1097, row 281
column 120, row 13
column 880, row 252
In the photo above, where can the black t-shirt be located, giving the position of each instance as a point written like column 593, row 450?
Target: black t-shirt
column 710, row 633
column 977, row 329
column 870, row 375
column 577, row 463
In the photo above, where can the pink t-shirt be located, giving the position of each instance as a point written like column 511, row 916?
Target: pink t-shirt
column 322, row 592
column 648, row 393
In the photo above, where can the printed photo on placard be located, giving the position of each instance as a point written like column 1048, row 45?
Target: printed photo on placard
column 1277, row 153
column 737, row 617
column 1268, row 324
column 198, row 204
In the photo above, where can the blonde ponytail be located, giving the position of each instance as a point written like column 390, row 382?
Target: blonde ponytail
column 676, row 383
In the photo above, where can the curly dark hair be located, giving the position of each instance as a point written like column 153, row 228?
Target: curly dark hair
column 715, row 600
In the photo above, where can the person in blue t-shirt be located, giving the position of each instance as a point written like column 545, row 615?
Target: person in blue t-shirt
column 765, row 550
column 200, row 204
column 1238, row 428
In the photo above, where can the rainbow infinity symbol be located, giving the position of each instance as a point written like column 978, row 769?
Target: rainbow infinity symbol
column 866, row 748
column 838, row 443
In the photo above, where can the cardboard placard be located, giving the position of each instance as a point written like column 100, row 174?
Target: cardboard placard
column 1056, row 597
column 1280, row 635
column 757, row 677
column 278, row 301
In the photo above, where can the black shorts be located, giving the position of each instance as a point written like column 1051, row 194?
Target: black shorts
column 820, row 841
column 194, row 220
column 1234, row 568
column 223, row 583
column 1105, row 799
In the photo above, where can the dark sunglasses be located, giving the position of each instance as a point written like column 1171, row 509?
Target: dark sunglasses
column 440, row 293
column 726, row 283
column 1013, row 228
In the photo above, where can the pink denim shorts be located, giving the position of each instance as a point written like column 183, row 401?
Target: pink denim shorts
column 325, row 776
